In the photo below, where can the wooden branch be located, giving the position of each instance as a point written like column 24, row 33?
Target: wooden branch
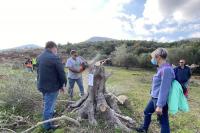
column 126, row 118
column 118, row 122
column 67, row 101
column 6, row 129
column 79, row 102
column 112, row 95
column 51, row 120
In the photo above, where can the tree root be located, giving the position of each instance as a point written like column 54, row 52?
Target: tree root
column 99, row 102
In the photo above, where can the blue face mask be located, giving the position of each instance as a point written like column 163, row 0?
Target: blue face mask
column 154, row 61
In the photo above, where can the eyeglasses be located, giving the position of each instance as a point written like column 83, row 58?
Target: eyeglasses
column 180, row 62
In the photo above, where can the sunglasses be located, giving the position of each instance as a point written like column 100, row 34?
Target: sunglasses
column 180, row 62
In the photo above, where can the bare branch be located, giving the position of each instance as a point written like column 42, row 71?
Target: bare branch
column 51, row 120
column 5, row 130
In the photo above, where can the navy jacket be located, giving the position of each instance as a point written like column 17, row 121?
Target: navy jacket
column 51, row 74
column 182, row 75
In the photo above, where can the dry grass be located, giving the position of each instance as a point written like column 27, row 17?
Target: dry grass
column 133, row 83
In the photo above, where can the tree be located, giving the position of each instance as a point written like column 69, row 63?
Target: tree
column 100, row 103
column 120, row 55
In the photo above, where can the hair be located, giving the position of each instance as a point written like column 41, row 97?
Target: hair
column 162, row 52
column 72, row 52
column 50, row 45
column 182, row 60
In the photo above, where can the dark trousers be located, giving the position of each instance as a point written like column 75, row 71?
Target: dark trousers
column 163, row 119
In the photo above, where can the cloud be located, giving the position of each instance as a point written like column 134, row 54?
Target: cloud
column 37, row 21
column 195, row 35
column 157, row 11
column 166, row 30
column 180, row 9
column 152, row 12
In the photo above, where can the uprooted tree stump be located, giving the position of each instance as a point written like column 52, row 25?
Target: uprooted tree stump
column 98, row 102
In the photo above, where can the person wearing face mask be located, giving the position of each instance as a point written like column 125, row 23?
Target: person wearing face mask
column 50, row 79
column 74, row 64
column 161, row 85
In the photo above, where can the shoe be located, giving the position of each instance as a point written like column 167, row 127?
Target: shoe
column 54, row 127
column 141, row 130
column 80, row 95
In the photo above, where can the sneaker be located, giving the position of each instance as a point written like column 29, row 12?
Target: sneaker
column 141, row 130
column 54, row 127
column 80, row 95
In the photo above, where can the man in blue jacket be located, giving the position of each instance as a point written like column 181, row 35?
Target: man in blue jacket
column 183, row 74
column 50, row 79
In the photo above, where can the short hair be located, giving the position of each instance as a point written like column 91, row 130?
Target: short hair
column 72, row 52
column 50, row 45
column 162, row 52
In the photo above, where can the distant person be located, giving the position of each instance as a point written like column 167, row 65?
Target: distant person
column 34, row 62
column 183, row 75
column 76, row 65
column 29, row 65
column 161, row 85
column 50, row 79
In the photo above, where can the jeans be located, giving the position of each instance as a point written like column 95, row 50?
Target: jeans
column 49, row 102
column 71, row 86
column 163, row 119
column 29, row 69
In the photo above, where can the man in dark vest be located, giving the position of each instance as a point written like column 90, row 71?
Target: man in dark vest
column 50, row 79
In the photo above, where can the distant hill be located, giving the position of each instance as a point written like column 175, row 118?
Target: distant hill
column 192, row 39
column 99, row 39
column 28, row 46
column 22, row 48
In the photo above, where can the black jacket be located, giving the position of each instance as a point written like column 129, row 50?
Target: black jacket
column 51, row 75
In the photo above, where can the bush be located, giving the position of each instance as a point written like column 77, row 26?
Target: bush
column 20, row 94
column 119, row 55
column 144, row 61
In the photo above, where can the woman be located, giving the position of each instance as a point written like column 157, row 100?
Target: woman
column 161, row 84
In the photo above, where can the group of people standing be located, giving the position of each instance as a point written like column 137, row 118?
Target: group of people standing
column 51, row 78
column 30, row 64
column 161, row 85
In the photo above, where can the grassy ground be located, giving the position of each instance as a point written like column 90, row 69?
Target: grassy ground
column 133, row 83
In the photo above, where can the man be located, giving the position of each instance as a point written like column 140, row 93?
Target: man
column 34, row 62
column 29, row 65
column 75, row 66
column 50, row 79
column 183, row 74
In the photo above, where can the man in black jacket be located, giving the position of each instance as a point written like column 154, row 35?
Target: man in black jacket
column 50, row 79
column 183, row 74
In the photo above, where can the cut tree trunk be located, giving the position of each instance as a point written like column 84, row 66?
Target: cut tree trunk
column 98, row 101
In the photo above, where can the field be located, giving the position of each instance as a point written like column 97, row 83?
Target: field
column 19, row 97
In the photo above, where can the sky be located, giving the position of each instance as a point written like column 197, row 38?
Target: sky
column 38, row 21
